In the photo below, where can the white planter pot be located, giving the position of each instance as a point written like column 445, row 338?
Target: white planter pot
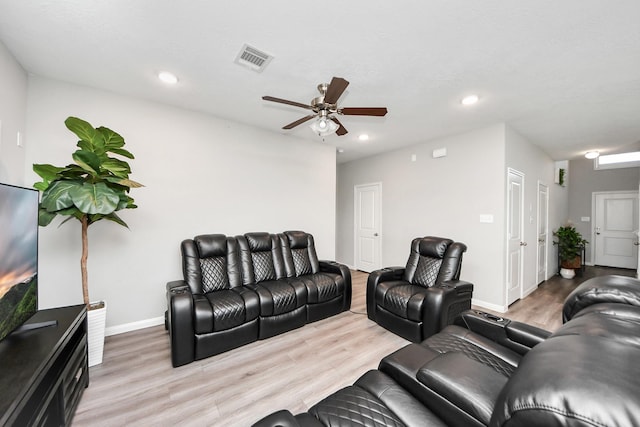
column 567, row 273
column 96, row 322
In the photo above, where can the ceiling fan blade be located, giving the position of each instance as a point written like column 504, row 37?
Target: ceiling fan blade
column 363, row 111
column 341, row 129
column 335, row 89
column 298, row 122
column 284, row 101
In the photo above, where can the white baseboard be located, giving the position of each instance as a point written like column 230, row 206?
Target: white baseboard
column 489, row 306
column 134, row 326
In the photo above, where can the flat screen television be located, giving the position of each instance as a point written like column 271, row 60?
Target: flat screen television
column 18, row 256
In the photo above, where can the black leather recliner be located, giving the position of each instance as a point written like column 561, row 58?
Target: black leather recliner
column 327, row 282
column 420, row 299
column 283, row 301
column 211, row 311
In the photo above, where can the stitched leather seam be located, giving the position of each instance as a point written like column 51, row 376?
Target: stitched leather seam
column 529, row 407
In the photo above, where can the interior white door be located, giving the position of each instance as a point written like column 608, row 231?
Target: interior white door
column 368, row 239
column 616, row 225
column 543, row 231
column 515, row 240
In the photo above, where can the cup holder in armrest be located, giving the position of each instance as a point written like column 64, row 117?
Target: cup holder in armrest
column 490, row 316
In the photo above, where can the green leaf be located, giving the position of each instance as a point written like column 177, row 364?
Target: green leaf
column 125, row 182
column 117, row 167
column 58, row 195
column 88, row 161
column 45, row 217
column 112, row 140
column 47, row 172
column 115, row 218
column 41, row 186
column 95, row 198
column 122, row 152
column 82, row 129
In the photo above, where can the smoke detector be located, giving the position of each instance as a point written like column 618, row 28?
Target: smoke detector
column 253, row 58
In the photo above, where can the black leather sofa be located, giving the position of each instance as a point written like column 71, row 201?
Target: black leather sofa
column 237, row 290
column 490, row 371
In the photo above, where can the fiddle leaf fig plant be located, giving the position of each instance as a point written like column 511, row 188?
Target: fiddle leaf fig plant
column 91, row 189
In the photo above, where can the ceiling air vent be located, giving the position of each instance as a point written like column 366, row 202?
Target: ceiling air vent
column 253, row 58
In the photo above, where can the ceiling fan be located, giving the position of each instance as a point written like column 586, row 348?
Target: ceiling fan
column 325, row 105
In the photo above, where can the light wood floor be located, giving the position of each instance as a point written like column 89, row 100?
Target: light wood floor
column 136, row 385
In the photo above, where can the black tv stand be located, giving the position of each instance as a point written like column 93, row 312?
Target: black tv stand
column 44, row 370
column 31, row 326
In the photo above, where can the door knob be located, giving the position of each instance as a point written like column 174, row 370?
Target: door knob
column 636, row 243
column 540, row 240
column 375, row 234
column 523, row 243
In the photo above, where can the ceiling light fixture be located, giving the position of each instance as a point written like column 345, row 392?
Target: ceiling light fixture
column 469, row 100
column 167, row 77
column 324, row 126
column 363, row 137
column 592, row 155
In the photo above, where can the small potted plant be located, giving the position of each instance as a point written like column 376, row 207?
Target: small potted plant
column 570, row 244
column 91, row 189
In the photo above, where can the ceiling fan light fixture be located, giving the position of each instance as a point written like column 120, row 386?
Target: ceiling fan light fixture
column 470, row 100
column 324, row 126
column 167, row 77
column 592, row 155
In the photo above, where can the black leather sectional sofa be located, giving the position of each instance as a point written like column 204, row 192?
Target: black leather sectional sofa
column 237, row 290
column 489, row 371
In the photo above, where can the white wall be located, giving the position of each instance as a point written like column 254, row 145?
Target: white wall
column 202, row 175
column 537, row 166
column 441, row 197
column 13, row 104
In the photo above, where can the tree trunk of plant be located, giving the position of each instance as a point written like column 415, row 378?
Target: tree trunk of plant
column 83, row 260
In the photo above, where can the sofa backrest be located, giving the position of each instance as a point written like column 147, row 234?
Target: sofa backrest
column 261, row 257
column 210, row 262
column 299, row 253
column 585, row 374
column 597, row 290
column 433, row 260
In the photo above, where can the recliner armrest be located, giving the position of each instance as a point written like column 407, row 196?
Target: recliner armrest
column 180, row 322
column 334, row 267
column 516, row 336
column 525, row 334
column 375, row 277
column 459, row 285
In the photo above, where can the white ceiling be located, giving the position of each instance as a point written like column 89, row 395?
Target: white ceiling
column 565, row 74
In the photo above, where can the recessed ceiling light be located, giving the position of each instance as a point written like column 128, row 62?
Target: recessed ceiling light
column 469, row 100
column 363, row 137
column 167, row 77
column 592, row 155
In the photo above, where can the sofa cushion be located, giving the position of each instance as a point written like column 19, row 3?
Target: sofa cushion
column 427, row 271
column 214, row 273
column 322, row 287
column 475, row 347
column 468, row 384
column 281, row 296
column 401, row 298
column 224, row 309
